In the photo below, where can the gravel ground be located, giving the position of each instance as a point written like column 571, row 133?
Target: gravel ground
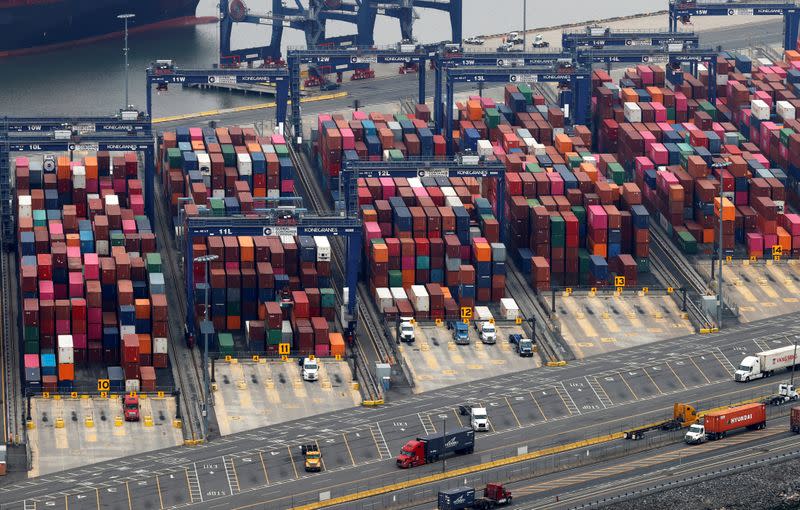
column 771, row 487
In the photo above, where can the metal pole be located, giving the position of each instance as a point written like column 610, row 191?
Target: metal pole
column 444, row 445
column 206, row 383
column 794, row 361
column 524, row 24
column 719, row 276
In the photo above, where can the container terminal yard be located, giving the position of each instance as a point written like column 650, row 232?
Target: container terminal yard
column 546, row 269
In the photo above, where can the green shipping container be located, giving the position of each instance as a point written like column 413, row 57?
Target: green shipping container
column 575, row 161
column 273, row 336
column 423, row 262
column 175, row 158
column 557, row 240
column 395, row 278
column 526, row 91
column 281, row 150
column 39, row 218
column 616, row 173
column 557, row 226
column 708, row 108
column 533, row 168
column 327, row 298
column 229, row 155
column 32, row 347
column 153, row 262
column 217, row 206
column 492, row 118
column 31, row 334
column 671, row 113
column 580, row 212
column 643, row 264
column 395, row 155
column 225, row 344
column 687, row 242
column 233, row 307
column 785, row 134
column 117, row 238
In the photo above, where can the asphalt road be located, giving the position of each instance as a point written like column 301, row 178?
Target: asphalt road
column 394, row 88
column 535, row 409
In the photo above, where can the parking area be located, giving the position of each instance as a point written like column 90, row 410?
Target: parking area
column 71, row 432
column 762, row 288
column 253, row 394
column 436, row 361
column 607, row 322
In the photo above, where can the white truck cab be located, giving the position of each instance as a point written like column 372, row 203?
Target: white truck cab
column 310, row 369
column 406, row 333
column 695, row 435
column 488, row 332
column 479, row 419
column 749, row 368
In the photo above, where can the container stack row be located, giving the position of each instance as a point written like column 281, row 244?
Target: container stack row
column 711, row 167
column 226, row 170
column 90, row 273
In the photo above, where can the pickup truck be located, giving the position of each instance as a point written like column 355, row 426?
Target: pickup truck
column 523, row 346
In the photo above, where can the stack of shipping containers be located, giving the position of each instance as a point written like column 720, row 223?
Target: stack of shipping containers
column 91, row 284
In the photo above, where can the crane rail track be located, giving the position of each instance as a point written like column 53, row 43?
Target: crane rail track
column 11, row 384
column 189, row 381
column 320, row 204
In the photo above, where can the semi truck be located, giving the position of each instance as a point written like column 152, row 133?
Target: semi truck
column 717, row 424
column 524, row 346
column 430, row 448
column 461, row 498
column 405, row 331
column 131, row 408
column 460, row 333
column 478, row 418
column 310, row 369
column 312, row 457
column 765, row 363
column 683, row 415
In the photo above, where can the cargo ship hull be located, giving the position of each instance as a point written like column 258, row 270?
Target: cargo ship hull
column 42, row 25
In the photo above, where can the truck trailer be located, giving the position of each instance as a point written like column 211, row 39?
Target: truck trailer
column 717, row 424
column 430, row 448
column 764, row 364
column 462, row 498
column 794, row 420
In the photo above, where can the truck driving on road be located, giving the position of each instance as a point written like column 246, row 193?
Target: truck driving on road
column 764, row 364
column 461, row 498
column 478, row 419
column 430, row 448
column 716, row 425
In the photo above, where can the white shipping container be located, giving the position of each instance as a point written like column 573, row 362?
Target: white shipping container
column 218, row 193
column 204, row 163
column 160, row 345
column 722, row 79
column 760, row 109
column 101, row 247
column 452, row 202
column 397, row 130
column 273, row 193
column 323, row 248
column 781, row 205
column 398, row 293
column 447, row 191
column 25, row 209
column 556, row 132
column 482, row 314
column 244, row 164
column 268, row 148
column 785, row 110
column 64, row 341
column 485, row 148
column 419, row 298
column 415, row 182
column 131, row 385
column 127, row 330
column 509, row 309
column 539, row 149
column 112, row 200
column 383, row 297
column 79, row 177
column 632, row 112
column 386, row 154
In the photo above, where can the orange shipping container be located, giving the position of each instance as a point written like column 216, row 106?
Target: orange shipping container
column 337, row 344
column 253, row 147
column 483, row 252
column 142, row 308
column 73, row 240
column 784, row 239
column 233, row 322
column 246, row 249
column 708, row 235
column 198, row 145
column 656, row 96
column 66, row 372
column 380, row 253
column 728, row 209
column 563, row 143
column 791, row 56
column 408, row 278
column 628, row 95
column 90, row 163
column 63, row 169
column 145, row 344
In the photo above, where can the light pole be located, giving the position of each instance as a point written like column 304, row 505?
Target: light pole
column 207, row 260
column 524, row 24
column 794, row 360
column 444, row 443
column 720, row 166
column 126, row 17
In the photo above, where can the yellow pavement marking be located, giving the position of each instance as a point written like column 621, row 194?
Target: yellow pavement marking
column 456, row 357
column 263, row 466
column 654, row 313
column 321, row 460
column 652, row 381
column 458, row 418
column 780, row 274
column 97, row 498
column 698, row 369
column 757, row 275
column 513, row 413
column 240, row 109
column 245, row 400
column 742, row 288
column 430, row 359
column 348, row 449
column 538, row 406
column 630, row 312
column 160, row 499
column 635, row 397
column 128, row 490
column 611, row 321
column 221, row 412
column 291, row 459
column 189, row 485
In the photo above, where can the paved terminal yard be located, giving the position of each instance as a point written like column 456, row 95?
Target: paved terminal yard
column 71, row 432
column 252, row 394
column 761, row 288
column 436, row 361
column 604, row 322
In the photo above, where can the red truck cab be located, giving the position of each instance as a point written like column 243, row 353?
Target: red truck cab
column 412, row 454
column 497, row 493
column 131, row 408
